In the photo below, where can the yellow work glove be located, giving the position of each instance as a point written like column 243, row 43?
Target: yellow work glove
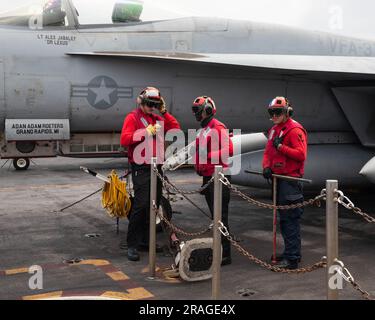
column 157, row 127
column 162, row 107
column 151, row 130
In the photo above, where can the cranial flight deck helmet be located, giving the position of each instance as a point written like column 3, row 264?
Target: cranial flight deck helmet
column 279, row 106
column 150, row 97
column 201, row 104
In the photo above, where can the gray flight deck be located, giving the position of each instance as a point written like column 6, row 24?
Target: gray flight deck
column 32, row 233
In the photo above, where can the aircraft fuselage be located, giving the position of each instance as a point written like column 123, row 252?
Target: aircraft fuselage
column 41, row 80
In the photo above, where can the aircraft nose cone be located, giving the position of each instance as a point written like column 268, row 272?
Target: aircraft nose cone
column 368, row 170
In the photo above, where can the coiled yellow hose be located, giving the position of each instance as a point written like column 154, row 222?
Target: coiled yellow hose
column 115, row 197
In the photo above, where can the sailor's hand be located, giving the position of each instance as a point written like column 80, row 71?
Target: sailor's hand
column 157, row 127
column 267, row 173
column 162, row 107
column 151, row 130
column 277, row 142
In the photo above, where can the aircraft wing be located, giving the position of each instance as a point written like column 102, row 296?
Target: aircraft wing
column 304, row 63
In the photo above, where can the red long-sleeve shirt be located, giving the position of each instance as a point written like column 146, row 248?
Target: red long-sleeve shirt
column 134, row 132
column 215, row 140
column 290, row 158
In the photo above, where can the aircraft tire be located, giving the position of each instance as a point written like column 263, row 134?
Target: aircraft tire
column 21, row 164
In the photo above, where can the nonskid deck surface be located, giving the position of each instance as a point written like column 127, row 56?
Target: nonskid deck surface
column 33, row 233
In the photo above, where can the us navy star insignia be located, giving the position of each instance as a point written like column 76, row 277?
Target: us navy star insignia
column 102, row 92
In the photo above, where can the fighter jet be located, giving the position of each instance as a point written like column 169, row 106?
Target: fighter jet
column 65, row 86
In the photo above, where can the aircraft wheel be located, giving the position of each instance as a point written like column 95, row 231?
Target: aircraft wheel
column 21, row 163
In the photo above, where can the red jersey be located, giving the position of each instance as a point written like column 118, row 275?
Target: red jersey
column 134, row 132
column 289, row 159
column 215, row 140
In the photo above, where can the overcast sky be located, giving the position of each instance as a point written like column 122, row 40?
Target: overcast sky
column 349, row 17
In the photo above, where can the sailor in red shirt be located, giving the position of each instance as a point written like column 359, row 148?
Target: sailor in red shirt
column 213, row 147
column 142, row 136
column 285, row 154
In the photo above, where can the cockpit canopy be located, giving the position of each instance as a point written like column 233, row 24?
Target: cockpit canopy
column 127, row 11
column 63, row 13
column 42, row 12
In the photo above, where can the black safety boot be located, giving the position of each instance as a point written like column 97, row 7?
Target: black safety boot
column 133, row 254
column 287, row 264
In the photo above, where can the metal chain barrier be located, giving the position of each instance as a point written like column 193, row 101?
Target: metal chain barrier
column 342, row 200
column 251, row 257
column 311, row 202
column 346, row 275
column 179, row 230
column 364, row 294
column 167, row 185
column 348, row 204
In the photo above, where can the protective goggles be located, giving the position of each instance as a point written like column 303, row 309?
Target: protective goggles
column 152, row 104
column 196, row 109
column 276, row 112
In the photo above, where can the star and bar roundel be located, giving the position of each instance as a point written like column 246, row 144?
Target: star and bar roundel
column 102, row 92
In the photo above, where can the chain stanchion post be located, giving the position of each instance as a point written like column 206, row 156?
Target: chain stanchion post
column 274, row 196
column 153, row 195
column 332, row 238
column 216, row 260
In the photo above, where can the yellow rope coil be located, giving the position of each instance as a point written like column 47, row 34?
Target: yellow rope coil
column 115, row 198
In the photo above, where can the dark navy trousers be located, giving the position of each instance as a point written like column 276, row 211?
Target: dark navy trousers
column 209, row 195
column 139, row 218
column 288, row 193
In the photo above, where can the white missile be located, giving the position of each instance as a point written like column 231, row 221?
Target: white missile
column 368, row 170
column 241, row 144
